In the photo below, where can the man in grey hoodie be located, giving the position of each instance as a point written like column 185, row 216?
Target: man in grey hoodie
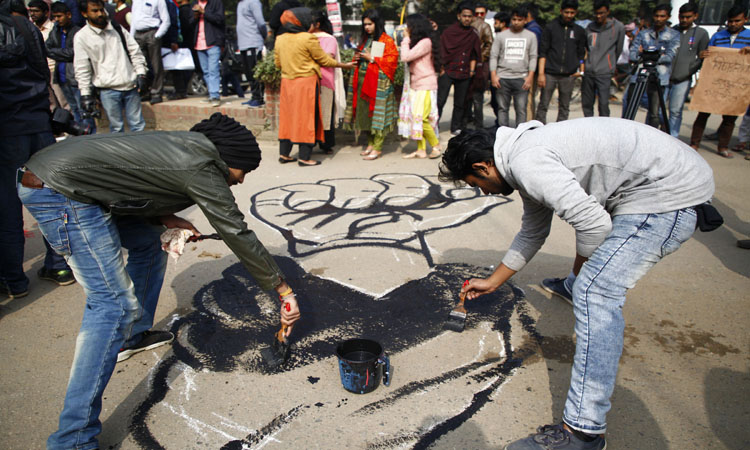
column 605, row 36
column 629, row 191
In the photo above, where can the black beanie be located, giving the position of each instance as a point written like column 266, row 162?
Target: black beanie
column 236, row 144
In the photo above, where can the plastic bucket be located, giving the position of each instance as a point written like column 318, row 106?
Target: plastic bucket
column 362, row 363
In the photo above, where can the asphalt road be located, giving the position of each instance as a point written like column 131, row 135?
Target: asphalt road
column 379, row 249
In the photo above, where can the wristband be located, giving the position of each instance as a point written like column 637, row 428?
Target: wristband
column 285, row 293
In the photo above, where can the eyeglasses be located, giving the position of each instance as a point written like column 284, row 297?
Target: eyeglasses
column 481, row 14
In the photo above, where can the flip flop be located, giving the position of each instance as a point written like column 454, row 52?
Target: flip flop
column 741, row 147
column 414, row 155
column 366, row 151
column 435, row 153
column 725, row 153
column 373, row 155
column 284, row 160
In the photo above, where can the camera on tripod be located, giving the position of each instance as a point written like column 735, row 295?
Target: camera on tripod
column 646, row 74
column 650, row 56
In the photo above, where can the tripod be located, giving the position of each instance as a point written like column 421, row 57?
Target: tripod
column 647, row 75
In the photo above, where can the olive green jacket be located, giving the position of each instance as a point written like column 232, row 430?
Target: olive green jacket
column 153, row 174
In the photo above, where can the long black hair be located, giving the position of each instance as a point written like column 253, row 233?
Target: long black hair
column 420, row 28
column 320, row 17
column 375, row 17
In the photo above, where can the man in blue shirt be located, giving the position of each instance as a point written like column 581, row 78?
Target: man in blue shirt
column 251, row 33
column 735, row 35
column 60, row 48
column 667, row 41
column 150, row 22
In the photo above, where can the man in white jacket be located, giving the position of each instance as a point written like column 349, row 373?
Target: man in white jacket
column 109, row 59
column 631, row 193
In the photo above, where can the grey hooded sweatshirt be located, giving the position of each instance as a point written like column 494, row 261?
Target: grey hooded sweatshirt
column 587, row 171
column 604, row 47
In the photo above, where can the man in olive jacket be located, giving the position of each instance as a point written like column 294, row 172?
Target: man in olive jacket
column 95, row 194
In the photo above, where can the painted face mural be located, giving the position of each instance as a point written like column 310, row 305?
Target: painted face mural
column 215, row 390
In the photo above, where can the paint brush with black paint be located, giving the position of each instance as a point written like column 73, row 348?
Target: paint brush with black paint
column 457, row 318
column 278, row 352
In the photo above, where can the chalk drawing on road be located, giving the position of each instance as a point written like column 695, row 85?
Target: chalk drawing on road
column 398, row 211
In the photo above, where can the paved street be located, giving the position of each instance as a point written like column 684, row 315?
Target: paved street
column 379, row 249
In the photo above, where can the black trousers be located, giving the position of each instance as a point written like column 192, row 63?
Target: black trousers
column 460, row 89
column 250, row 58
column 285, row 148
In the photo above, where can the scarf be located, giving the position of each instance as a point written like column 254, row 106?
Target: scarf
column 388, row 64
column 296, row 20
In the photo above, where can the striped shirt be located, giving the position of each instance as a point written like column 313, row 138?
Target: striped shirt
column 724, row 39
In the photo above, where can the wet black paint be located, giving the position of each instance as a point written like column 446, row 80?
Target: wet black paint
column 256, row 438
column 228, row 328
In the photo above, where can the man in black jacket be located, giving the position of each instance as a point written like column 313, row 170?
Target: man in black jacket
column 561, row 55
column 24, row 129
column 60, row 48
column 209, row 38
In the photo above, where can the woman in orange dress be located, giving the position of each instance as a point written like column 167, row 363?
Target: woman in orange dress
column 299, row 55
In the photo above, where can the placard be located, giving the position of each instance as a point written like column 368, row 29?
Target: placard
column 724, row 83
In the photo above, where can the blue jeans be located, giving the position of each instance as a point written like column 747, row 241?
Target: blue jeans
column 73, row 96
column 511, row 88
column 636, row 243
column 677, row 95
column 14, row 152
column 120, row 299
column 114, row 102
column 211, row 67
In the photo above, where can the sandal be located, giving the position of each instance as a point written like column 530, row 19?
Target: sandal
column 366, row 151
column 725, row 153
column 416, row 154
column 435, row 153
column 741, row 147
column 372, row 155
column 283, row 160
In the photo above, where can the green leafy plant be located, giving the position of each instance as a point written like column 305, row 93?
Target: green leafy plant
column 267, row 73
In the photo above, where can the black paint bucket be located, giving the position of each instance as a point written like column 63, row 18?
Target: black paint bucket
column 362, row 363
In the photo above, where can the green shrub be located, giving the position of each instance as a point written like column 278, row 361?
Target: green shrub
column 267, row 73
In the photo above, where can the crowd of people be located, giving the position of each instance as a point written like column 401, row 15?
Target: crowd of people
column 120, row 194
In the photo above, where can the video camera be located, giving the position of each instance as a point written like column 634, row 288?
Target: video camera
column 650, row 56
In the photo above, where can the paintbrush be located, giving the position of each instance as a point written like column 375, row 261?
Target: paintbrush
column 457, row 318
column 278, row 352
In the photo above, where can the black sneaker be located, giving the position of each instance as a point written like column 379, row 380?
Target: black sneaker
column 61, row 277
column 556, row 437
column 557, row 286
column 6, row 290
column 151, row 339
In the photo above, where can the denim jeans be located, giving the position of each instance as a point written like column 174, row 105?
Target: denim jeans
column 636, row 243
column 678, row 93
column 211, row 67
column 511, row 88
column 120, row 299
column 73, row 96
column 14, row 152
column 114, row 102
column 565, row 85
